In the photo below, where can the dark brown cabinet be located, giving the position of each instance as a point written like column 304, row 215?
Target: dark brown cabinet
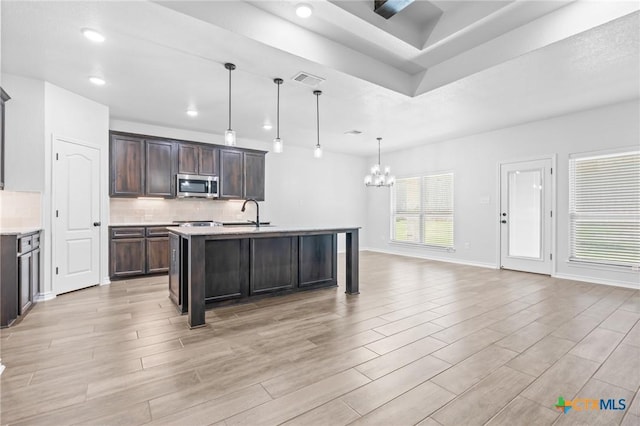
column 4, row 97
column 197, row 159
column 19, row 275
column 127, row 166
column 159, row 169
column 254, row 175
column 138, row 250
column 242, row 174
column 231, row 174
column 141, row 167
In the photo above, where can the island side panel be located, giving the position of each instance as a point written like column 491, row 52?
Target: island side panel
column 352, row 261
column 273, row 264
column 225, row 269
column 196, row 280
column 318, row 260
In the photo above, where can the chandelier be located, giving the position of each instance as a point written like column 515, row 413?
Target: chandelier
column 378, row 177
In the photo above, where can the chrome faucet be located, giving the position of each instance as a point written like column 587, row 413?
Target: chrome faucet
column 257, row 222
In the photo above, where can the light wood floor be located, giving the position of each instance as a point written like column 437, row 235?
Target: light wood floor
column 424, row 343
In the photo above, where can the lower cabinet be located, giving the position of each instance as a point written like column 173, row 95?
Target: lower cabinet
column 138, row 251
column 19, row 275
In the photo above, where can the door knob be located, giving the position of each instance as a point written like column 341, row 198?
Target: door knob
column 96, row 223
column 504, row 214
column 503, row 221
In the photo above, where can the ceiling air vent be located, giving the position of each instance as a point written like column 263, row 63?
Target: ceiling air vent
column 307, row 79
column 353, row 132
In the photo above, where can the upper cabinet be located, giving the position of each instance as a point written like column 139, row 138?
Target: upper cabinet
column 126, row 166
column 197, row 159
column 147, row 166
column 254, row 175
column 3, row 98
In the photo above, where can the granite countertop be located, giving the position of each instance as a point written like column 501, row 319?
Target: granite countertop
column 252, row 230
column 20, row 230
column 144, row 224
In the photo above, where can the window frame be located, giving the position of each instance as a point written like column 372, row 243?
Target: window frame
column 571, row 258
column 422, row 213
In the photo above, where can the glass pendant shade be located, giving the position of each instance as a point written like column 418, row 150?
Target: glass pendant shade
column 277, row 145
column 317, row 152
column 230, row 137
column 377, row 177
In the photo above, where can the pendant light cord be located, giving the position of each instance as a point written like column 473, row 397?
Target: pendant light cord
column 318, row 116
column 229, row 98
column 278, row 114
column 379, row 163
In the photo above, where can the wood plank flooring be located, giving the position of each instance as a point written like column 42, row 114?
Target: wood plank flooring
column 425, row 342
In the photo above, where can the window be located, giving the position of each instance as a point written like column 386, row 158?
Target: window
column 422, row 211
column 604, row 209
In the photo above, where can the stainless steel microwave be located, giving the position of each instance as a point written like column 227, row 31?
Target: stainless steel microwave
column 196, row 186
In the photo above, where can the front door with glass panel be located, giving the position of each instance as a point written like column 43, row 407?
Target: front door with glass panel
column 525, row 216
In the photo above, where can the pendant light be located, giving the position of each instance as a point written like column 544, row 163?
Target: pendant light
column 317, row 152
column 378, row 177
column 277, row 142
column 229, row 134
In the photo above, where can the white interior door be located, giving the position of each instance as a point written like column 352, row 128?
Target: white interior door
column 76, row 207
column 525, row 216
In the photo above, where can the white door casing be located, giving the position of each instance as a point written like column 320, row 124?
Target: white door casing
column 526, row 190
column 76, row 216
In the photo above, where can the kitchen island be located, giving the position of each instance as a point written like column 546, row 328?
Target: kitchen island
column 210, row 266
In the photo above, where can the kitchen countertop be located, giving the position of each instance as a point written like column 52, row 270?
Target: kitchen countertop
column 252, row 230
column 144, row 224
column 19, row 230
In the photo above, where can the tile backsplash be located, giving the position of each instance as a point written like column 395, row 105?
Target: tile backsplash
column 20, row 209
column 124, row 210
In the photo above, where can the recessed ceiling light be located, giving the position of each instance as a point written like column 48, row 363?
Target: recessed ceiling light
column 267, row 126
column 192, row 113
column 304, row 10
column 92, row 35
column 97, row 81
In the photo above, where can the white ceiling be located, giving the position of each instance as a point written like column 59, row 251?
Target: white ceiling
column 438, row 70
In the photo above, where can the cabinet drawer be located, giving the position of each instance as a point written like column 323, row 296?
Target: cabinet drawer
column 35, row 241
column 157, row 231
column 127, row 232
column 25, row 244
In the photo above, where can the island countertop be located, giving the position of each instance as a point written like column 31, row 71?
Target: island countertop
column 249, row 231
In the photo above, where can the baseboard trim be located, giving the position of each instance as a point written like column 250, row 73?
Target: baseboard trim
column 434, row 258
column 42, row 297
column 613, row 283
column 105, row 281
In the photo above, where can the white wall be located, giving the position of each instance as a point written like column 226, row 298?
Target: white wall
column 24, row 128
column 299, row 189
column 74, row 118
column 474, row 161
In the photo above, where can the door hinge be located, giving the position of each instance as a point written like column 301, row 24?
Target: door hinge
column 551, row 213
column 56, row 213
column 551, row 170
column 57, row 158
column 56, row 270
column 550, row 256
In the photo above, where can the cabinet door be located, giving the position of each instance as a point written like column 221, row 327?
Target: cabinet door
column 187, row 159
column 208, row 161
column 35, row 274
column 24, row 283
column 159, row 173
column 126, row 166
column 157, row 254
column 127, row 257
column 231, row 174
column 254, row 176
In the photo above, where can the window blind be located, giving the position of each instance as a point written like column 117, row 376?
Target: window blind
column 423, row 210
column 604, row 209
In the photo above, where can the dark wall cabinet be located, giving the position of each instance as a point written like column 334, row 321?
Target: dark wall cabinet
column 242, row 174
column 197, row 159
column 143, row 165
column 4, row 97
column 138, row 250
column 19, row 275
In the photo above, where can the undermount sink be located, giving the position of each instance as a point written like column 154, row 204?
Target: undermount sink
column 247, row 223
